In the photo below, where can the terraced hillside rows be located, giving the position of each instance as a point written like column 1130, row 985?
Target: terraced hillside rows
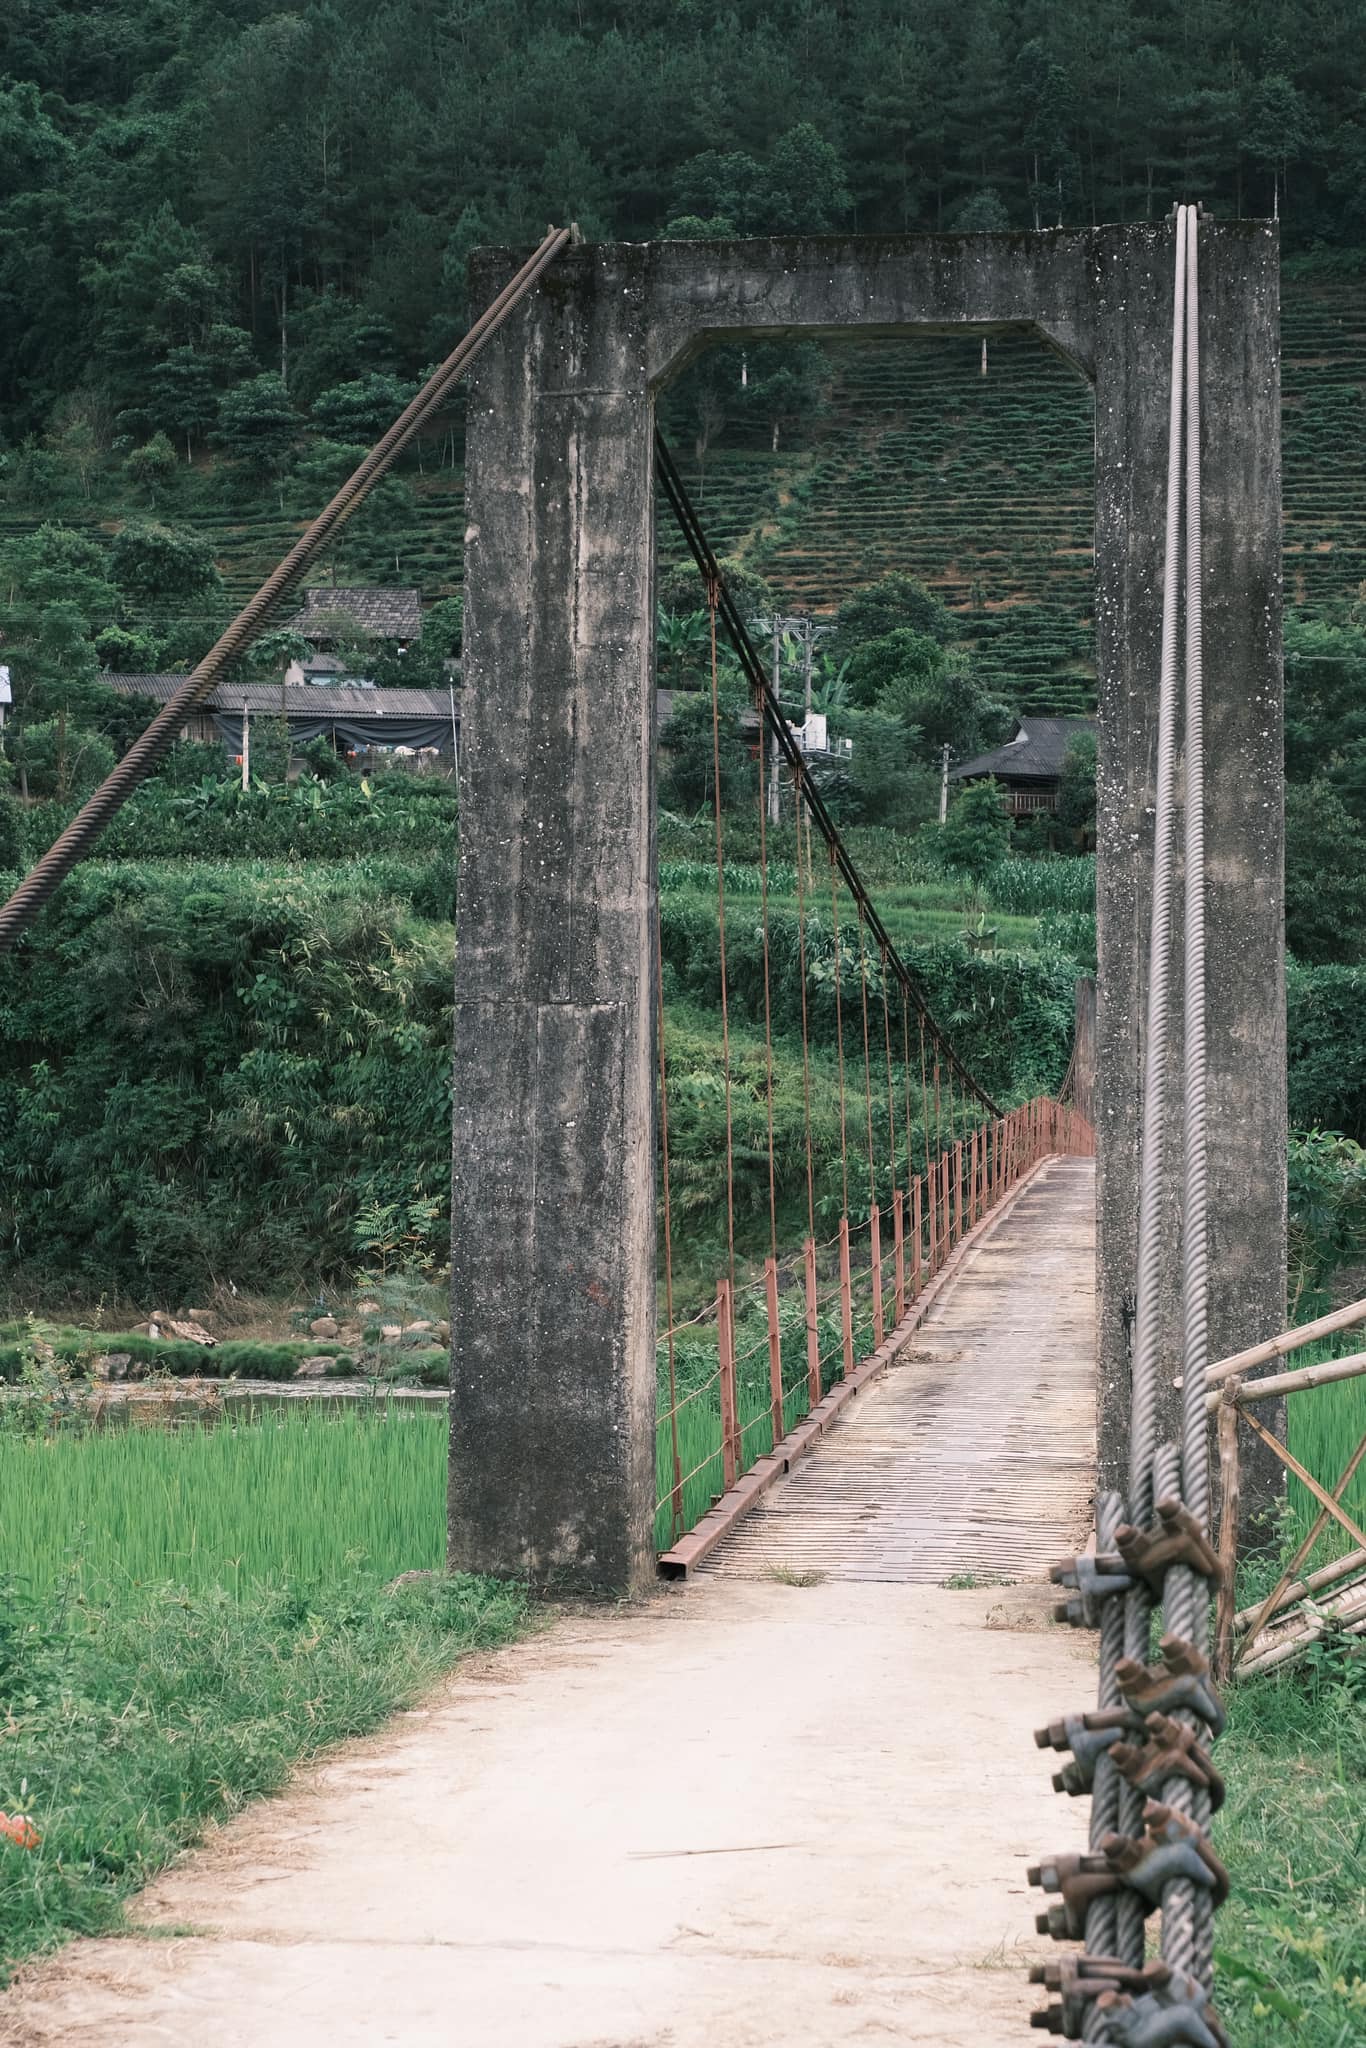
column 978, row 483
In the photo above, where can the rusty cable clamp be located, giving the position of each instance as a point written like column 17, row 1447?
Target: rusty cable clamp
column 1174, row 2014
column 1088, row 1736
column 1093, row 1577
column 1176, row 1538
column 1171, row 1847
column 1181, row 1680
column 1168, row 1751
column 1079, row 1980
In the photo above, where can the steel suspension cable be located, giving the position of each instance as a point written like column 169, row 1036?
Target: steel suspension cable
column 721, row 928
column 806, row 1047
column 1147, row 1334
column 777, row 726
column 85, row 828
column 839, row 1034
column 1187, row 1912
column 867, row 1063
column 676, row 1496
column 891, row 1094
column 768, row 1004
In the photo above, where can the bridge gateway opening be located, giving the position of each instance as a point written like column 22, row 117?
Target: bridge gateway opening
column 554, row 1198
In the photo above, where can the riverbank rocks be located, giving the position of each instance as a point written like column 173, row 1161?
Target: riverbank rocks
column 324, row 1326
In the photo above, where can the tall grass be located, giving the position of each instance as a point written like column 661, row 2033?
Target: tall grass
column 306, row 1495
column 186, row 1613
column 1324, row 1425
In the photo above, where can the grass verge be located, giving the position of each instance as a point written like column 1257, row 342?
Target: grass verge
column 201, row 1611
column 1292, row 1937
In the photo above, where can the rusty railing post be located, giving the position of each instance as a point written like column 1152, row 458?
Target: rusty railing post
column 846, row 1297
column 917, row 1236
column 958, row 1192
column 725, row 1342
column 775, row 1347
column 813, row 1332
column 875, row 1254
column 899, row 1251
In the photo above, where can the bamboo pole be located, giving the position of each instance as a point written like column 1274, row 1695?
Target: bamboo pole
column 1278, row 1383
column 1291, row 1464
column 1228, row 1530
column 1326, row 1575
column 1320, row 1523
column 1289, row 1340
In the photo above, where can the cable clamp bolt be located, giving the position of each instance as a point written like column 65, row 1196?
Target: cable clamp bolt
column 1176, row 1538
column 1176, row 2014
column 1080, row 1980
column 1180, row 1680
column 1172, row 1846
column 1168, row 1751
column 1088, row 1736
column 1093, row 1576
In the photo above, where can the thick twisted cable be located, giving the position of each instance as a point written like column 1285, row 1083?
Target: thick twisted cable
column 1187, row 1911
column 1147, row 1330
column 85, row 828
column 1152, row 1139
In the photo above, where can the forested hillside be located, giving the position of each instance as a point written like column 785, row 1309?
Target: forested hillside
column 197, row 192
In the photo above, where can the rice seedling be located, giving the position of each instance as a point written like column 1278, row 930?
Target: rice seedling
column 308, row 1494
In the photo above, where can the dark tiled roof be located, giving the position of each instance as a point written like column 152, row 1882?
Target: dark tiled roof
column 1035, row 754
column 307, row 700
column 383, row 614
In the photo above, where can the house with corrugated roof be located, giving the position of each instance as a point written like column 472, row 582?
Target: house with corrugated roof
column 1029, row 766
column 352, row 720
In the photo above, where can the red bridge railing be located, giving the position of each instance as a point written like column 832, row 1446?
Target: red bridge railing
column 750, row 1367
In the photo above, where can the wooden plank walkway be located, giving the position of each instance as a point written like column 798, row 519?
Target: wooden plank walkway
column 975, row 1450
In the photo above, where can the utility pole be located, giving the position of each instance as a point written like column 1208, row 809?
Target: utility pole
column 809, row 638
column 944, row 788
column 246, row 744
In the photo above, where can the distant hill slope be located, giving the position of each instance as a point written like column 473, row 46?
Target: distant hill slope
column 980, row 485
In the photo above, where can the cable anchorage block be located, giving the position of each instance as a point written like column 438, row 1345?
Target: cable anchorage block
column 1093, row 1577
column 1081, row 1979
column 1088, row 1736
column 1173, row 2014
column 1181, row 1680
column 1168, row 1751
column 1176, row 1538
column 1172, row 1846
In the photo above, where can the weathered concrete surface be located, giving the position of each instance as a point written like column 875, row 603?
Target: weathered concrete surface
column 757, row 1814
column 553, row 1221
column 974, row 1452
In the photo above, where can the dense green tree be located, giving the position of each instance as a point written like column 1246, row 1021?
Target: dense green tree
column 894, row 603
column 257, row 426
column 360, row 411
column 1325, row 876
column 165, row 564
column 976, row 834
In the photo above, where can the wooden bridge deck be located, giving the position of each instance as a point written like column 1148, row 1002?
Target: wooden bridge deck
column 974, row 1452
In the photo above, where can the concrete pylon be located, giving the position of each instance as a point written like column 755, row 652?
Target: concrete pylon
column 553, row 1444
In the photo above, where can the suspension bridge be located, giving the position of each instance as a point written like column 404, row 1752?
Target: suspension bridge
column 902, row 1381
